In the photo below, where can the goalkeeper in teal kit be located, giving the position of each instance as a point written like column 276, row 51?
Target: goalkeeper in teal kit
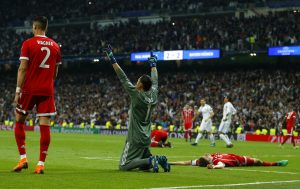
column 143, row 96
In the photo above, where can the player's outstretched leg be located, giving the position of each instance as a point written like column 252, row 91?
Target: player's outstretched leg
column 212, row 140
column 283, row 163
column 186, row 135
column 285, row 139
column 293, row 142
column 163, row 162
column 190, row 135
column 20, row 139
column 226, row 140
column 199, row 136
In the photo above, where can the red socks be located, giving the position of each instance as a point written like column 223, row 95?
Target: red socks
column 20, row 137
column 186, row 135
column 190, row 134
column 287, row 137
column 269, row 164
column 293, row 140
column 44, row 141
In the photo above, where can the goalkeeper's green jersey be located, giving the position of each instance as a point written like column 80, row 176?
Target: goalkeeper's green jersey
column 141, row 107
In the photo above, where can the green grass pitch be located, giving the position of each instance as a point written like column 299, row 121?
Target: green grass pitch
column 91, row 161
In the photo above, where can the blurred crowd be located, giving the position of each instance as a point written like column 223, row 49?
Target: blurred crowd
column 21, row 12
column 261, row 97
column 225, row 32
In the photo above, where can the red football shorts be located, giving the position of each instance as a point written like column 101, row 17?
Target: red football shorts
column 188, row 126
column 45, row 105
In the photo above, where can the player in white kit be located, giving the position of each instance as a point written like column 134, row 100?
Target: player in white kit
column 228, row 111
column 206, row 123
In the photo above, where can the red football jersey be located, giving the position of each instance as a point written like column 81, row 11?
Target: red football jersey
column 290, row 119
column 158, row 135
column 43, row 54
column 230, row 160
column 188, row 115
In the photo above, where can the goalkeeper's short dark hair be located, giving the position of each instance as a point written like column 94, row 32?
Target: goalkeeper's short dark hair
column 146, row 81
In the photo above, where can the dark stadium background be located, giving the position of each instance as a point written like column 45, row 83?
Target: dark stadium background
column 87, row 90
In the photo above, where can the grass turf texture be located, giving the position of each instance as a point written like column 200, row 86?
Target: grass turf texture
column 91, row 161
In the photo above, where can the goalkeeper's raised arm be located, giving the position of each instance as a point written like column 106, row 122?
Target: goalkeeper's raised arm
column 130, row 88
column 154, row 76
column 144, row 83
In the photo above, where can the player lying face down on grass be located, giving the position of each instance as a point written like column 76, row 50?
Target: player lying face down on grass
column 159, row 139
column 221, row 160
column 143, row 99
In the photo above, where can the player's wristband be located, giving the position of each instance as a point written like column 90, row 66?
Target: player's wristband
column 152, row 64
column 152, row 61
column 113, row 60
column 18, row 89
column 194, row 162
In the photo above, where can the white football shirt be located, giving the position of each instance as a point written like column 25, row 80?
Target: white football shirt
column 228, row 110
column 205, row 111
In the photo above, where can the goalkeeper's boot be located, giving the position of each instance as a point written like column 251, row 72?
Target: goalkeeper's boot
column 39, row 169
column 22, row 164
column 283, row 163
column 154, row 163
column 194, row 144
column 163, row 162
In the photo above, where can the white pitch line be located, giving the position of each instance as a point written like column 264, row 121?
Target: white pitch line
column 100, row 158
column 253, row 170
column 229, row 185
column 286, row 155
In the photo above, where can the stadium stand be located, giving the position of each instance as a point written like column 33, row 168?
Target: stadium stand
column 227, row 33
column 96, row 98
column 86, row 98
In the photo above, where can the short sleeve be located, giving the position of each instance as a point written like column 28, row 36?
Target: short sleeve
column 24, row 51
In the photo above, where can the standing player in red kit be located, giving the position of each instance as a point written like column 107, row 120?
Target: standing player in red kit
column 187, row 117
column 290, row 119
column 40, row 57
column 221, row 160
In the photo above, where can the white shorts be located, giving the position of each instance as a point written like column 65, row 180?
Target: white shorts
column 224, row 126
column 206, row 126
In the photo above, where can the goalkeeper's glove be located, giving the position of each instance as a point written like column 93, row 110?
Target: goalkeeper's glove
column 152, row 60
column 110, row 54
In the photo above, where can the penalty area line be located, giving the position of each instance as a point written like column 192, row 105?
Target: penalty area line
column 261, row 171
column 229, row 185
column 100, row 158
